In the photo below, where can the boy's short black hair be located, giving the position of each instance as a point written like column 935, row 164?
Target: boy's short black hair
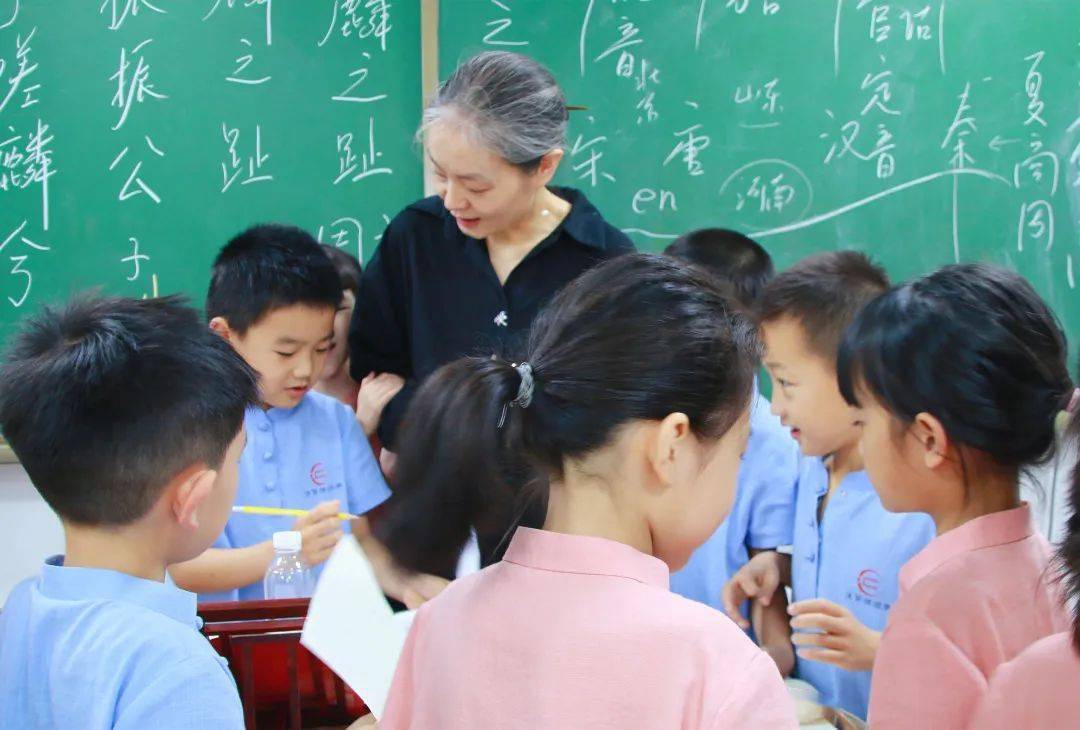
column 738, row 261
column 348, row 268
column 266, row 267
column 106, row 399
column 824, row 293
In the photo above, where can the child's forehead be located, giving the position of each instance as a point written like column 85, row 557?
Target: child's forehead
column 788, row 346
column 787, row 337
column 296, row 322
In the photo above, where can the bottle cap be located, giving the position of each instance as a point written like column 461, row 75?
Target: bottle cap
column 289, row 540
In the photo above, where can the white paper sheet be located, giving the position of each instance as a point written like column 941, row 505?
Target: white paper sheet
column 351, row 627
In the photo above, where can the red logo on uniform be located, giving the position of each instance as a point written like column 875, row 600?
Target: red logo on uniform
column 317, row 474
column 868, row 582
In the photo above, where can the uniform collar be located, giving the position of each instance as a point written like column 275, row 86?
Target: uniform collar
column 585, row 555
column 857, row 481
column 999, row 528
column 98, row 584
column 256, row 414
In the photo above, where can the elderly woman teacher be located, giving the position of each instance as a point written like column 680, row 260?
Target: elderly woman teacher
column 466, row 271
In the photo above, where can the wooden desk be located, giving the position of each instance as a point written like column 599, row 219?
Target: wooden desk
column 281, row 684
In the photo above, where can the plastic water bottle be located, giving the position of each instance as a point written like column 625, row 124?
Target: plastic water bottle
column 288, row 575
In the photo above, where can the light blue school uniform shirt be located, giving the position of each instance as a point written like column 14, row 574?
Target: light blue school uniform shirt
column 761, row 515
column 851, row 557
column 89, row 648
column 297, row 458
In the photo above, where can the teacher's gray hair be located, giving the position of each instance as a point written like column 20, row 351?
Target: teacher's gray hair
column 505, row 102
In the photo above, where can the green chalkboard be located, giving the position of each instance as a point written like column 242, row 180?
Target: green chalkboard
column 173, row 124
column 921, row 131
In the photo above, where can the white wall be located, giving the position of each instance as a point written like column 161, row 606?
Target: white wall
column 30, row 530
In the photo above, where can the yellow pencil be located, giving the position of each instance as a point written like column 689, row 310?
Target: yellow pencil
column 282, row 512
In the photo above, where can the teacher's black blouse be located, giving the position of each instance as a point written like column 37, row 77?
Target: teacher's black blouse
column 430, row 294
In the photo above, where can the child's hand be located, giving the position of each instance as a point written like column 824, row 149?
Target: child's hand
column 320, row 530
column 420, row 588
column 388, row 463
column 841, row 638
column 375, row 392
column 758, row 579
column 412, row 589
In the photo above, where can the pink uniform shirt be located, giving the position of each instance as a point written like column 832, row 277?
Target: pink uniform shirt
column 571, row 631
column 973, row 599
column 1038, row 689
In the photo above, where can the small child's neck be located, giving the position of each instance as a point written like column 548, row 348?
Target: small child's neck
column 996, row 493
column 845, row 460
column 591, row 511
column 122, row 549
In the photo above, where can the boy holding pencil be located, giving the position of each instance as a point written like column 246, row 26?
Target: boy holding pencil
column 307, row 465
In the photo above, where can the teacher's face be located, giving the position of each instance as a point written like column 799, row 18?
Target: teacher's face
column 484, row 192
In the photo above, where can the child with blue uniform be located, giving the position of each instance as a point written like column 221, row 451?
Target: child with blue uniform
column 845, row 571
column 273, row 296
column 313, row 454
column 763, row 510
column 847, row 550
column 141, row 477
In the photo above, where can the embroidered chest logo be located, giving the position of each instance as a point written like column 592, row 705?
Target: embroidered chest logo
column 868, row 582
column 319, row 481
column 867, row 587
column 502, row 319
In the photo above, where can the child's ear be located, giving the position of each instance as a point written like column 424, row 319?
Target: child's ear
column 220, row 326
column 668, row 439
column 933, row 439
column 193, row 486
